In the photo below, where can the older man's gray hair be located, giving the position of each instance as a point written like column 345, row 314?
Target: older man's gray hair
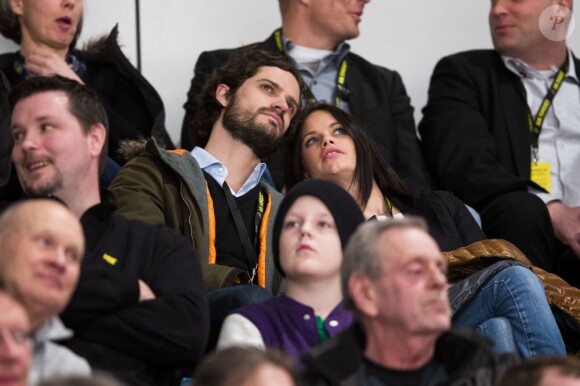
column 361, row 255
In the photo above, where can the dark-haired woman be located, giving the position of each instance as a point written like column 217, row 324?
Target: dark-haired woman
column 329, row 144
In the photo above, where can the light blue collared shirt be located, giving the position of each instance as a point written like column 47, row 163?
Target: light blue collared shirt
column 219, row 172
column 559, row 142
column 322, row 82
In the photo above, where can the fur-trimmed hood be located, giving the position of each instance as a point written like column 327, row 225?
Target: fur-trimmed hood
column 131, row 148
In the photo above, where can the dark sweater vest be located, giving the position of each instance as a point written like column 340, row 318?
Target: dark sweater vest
column 228, row 246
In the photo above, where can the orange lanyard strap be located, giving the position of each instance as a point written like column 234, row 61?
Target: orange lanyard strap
column 263, row 246
column 211, row 225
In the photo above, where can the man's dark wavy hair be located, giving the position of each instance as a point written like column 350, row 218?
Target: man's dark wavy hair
column 10, row 25
column 241, row 65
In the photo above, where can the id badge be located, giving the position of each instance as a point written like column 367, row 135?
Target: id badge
column 541, row 175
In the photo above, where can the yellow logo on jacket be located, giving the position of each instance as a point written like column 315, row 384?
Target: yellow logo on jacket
column 109, row 259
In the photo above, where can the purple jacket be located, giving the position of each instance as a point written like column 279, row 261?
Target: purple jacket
column 290, row 326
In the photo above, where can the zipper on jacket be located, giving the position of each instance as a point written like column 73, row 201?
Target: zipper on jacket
column 188, row 217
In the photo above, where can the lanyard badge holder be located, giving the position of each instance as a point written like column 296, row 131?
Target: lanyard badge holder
column 540, row 171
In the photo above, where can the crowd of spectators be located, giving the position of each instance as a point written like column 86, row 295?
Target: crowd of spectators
column 303, row 233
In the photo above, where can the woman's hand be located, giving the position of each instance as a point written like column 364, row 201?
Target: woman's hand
column 43, row 62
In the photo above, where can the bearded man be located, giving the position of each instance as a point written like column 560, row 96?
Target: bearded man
column 213, row 194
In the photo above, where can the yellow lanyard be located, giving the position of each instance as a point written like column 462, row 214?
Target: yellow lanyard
column 389, row 206
column 535, row 125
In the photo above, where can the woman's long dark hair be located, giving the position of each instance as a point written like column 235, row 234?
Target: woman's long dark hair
column 370, row 165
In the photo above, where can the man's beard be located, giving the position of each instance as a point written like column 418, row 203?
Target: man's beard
column 45, row 189
column 243, row 125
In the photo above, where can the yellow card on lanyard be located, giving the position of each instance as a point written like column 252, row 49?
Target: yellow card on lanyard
column 540, row 174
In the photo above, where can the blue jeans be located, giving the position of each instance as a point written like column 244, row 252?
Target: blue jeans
column 225, row 300
column 516, row 295
column 499, row 330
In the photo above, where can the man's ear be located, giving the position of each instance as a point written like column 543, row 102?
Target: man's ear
column 96, row 138
column 363, row 294
column 222, row 94
column 17, row 7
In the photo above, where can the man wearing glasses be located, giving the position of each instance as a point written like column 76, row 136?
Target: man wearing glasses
column 15, row 343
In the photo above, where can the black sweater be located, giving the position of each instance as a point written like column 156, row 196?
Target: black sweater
column 141, row 343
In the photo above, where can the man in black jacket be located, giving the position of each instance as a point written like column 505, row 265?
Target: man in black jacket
column 313, row 34
column 16, row 350
column 140, row 310
column 487, row 140
column 394, row 279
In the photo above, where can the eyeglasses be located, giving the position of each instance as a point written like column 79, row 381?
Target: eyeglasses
column 18, row 336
